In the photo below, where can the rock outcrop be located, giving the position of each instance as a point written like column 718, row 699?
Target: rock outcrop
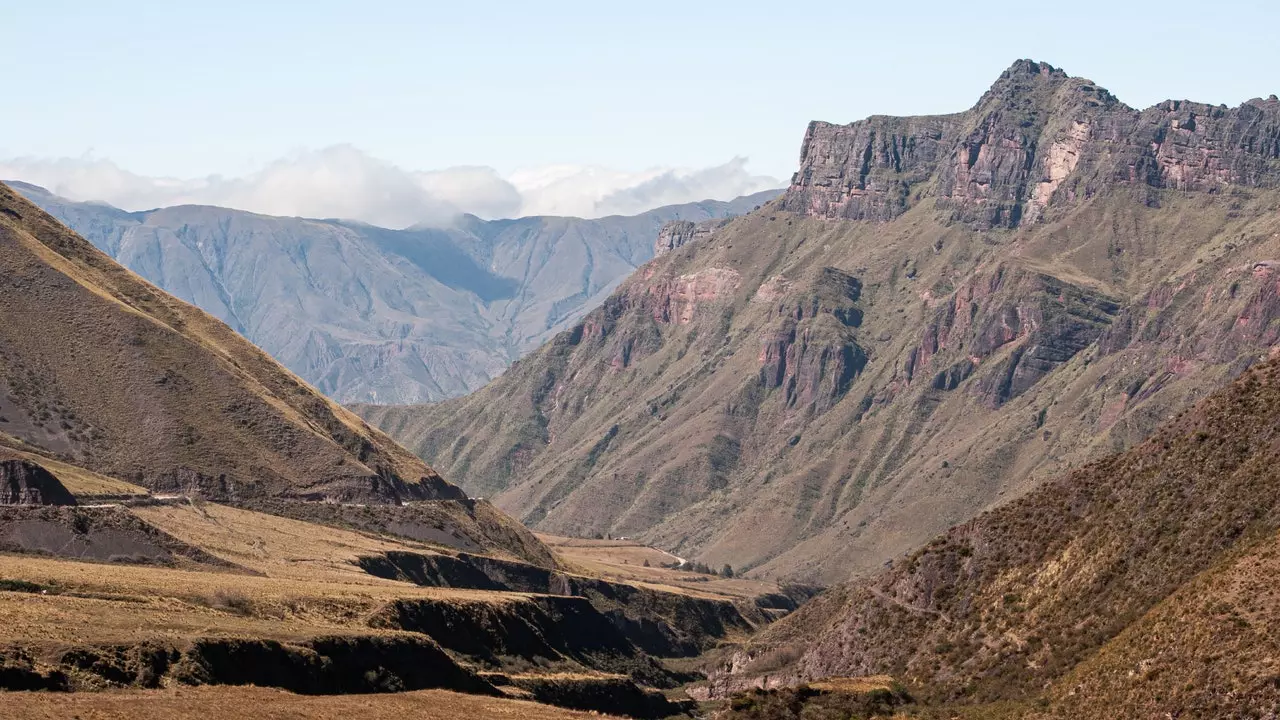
column 1035, row 134
column 678, row 233
column 23, row 482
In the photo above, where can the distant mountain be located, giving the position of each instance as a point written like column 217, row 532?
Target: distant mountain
column 376, row 315
column 939, row 314
column 102, row 372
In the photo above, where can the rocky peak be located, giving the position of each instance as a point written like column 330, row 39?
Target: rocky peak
column 1036, row 137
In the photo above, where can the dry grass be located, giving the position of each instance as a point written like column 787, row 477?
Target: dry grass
column 623, row 561
column 97, row 603
column 241, row 702
column 306, row 584
column 279, row 547
column 82, row 483
column 853, row 684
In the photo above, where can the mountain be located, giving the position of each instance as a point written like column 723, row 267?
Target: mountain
column 1141, row 585
column 110, row 384
column 369, row 314
column 938, row 315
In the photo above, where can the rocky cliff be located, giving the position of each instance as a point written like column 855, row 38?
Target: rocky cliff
column 1035, row 133
column 678, row 233
column 938, row 315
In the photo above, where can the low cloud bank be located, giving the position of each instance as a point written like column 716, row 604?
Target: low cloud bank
column 344, row 182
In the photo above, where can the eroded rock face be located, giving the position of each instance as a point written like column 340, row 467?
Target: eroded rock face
column 678, row 233
column 812, row 353
column 1045, row 320
column 1035, row 135
column 866, row 170
column 23, row 482
column 675, row 301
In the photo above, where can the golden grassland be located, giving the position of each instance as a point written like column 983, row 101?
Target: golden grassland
column 853, row 684
column 209, row 703
column 96, row 602
column 297, row 580
column 279, row 547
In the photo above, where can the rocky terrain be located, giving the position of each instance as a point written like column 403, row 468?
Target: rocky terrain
column 375, row 315
column 940, row 314
column 1135, row 586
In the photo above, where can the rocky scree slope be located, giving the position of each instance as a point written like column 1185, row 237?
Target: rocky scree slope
column 1140, row 585
column 102, row 371
column 376, row 315
column 939, row 314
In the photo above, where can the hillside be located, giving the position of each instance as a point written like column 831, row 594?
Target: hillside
column 118, row 389
column 939, row 314
column 1141, row 585
column 369, row 314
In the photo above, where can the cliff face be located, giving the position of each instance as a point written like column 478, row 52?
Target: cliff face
column 938, row 315
column 25, row 483
column 1001, row 163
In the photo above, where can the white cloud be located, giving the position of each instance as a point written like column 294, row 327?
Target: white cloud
column 344, row 182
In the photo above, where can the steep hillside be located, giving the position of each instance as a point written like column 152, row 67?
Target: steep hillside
column 939, row 314
column 1141, row 585
column 104, row 377
column 368, row 314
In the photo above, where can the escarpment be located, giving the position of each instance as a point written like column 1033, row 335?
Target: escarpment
column 1036, row 133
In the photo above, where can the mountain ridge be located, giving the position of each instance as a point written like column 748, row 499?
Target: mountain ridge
column 938, row 315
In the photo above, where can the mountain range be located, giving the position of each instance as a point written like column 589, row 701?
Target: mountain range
column 369, row 314
column 939, row 314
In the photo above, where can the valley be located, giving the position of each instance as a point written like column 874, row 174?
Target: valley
column 938, row 316
column 980, row 418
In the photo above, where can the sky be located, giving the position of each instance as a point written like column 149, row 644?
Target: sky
column 508, row 108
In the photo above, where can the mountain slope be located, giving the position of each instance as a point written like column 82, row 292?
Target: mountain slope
column 1138, row 586
column 102, row 371
column 365, row 313
column 939, row 314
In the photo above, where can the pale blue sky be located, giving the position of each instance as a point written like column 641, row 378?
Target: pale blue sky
column 188, row 89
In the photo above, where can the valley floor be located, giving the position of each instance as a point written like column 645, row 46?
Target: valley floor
column 212, row 703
